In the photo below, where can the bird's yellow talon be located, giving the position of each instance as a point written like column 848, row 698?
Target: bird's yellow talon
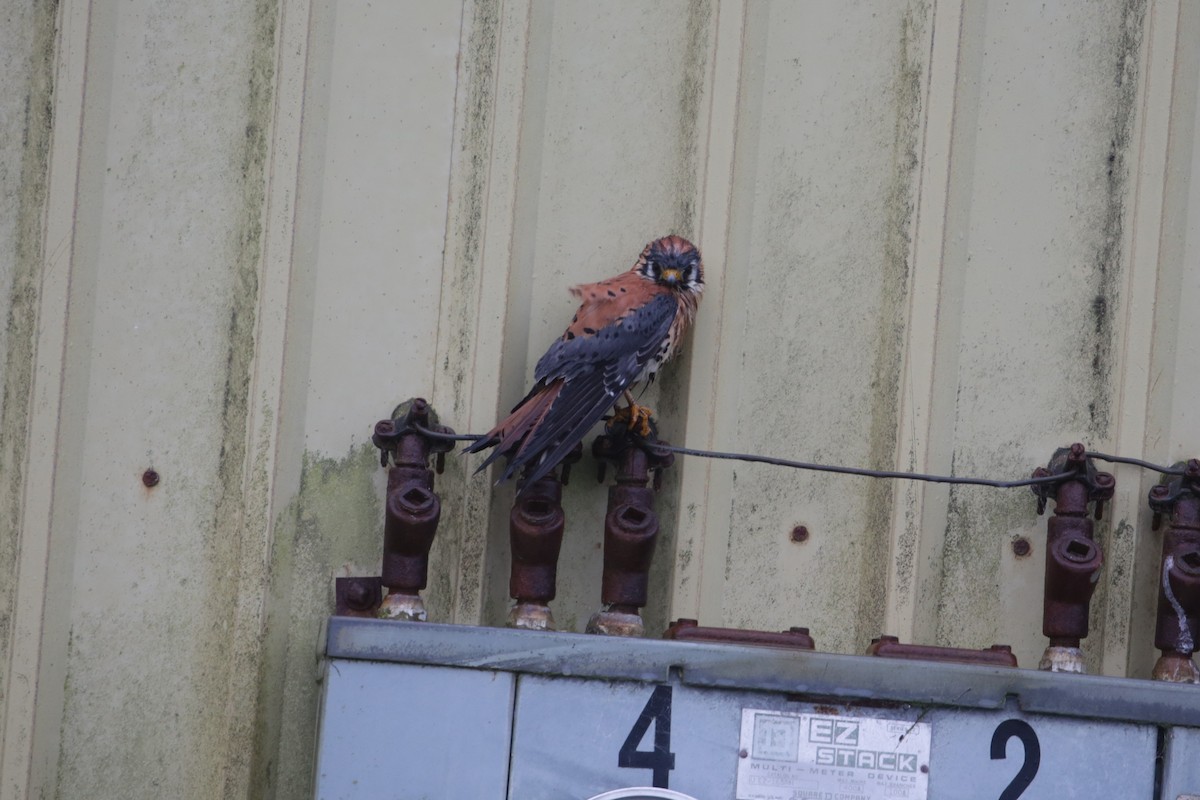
column 635, row 418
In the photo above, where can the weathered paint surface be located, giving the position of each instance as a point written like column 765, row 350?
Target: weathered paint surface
column 26, row 56
column 1049, row 345
column 334, row 528
column 432, row 178
column 162, row 580
column 841, row 286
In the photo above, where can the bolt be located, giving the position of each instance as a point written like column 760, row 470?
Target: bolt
column 800, row 534
column 359, row 596
column 150, row 478
column 1021, row 547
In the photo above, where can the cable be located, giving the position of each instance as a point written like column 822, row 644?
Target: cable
column 869, row 473
column 1136, row 462
column 783, row 462
column 447, row 437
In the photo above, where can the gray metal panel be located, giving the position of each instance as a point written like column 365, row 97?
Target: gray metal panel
column 413, row 732
column 574, row 755
column 764, row 669
column 1078, row 758
column 1181, row 764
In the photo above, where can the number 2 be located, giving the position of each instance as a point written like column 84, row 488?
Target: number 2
column 660, row 759
column 1022, row 730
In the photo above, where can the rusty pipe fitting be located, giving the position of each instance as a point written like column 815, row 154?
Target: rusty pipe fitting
column 412, row 507
column 535, row 531
column 1073, row 566
column 630, row 531
column 1073, row 558
column 413, row 511
column 1177, row 624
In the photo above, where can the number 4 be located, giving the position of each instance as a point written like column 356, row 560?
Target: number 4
column 660, row 759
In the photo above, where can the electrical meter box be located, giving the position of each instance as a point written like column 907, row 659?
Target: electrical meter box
column 421, row 710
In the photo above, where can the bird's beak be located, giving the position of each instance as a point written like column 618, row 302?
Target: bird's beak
column 671, row 276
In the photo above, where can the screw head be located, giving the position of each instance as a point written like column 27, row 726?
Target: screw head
column 800, row 534
column 1021, row 547
column 150, row 478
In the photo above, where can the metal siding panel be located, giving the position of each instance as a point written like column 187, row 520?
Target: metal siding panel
column 824, row 186
column 362, row 323
column 1040, row 193
column 165, row 211
column 379, row 208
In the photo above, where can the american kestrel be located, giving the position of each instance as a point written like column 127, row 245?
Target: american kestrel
column 625, row 329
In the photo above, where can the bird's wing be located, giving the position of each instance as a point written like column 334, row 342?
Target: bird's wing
column 586, row 373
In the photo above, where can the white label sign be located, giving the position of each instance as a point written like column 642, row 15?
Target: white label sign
column 787, row 756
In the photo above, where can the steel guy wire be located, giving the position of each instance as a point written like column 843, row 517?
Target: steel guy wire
column 861, row 471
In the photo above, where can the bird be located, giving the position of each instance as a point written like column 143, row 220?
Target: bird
column 626, row 328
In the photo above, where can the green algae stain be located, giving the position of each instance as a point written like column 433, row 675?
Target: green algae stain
column 333, row 528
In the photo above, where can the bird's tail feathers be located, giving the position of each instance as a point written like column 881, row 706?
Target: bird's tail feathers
column 508, row 435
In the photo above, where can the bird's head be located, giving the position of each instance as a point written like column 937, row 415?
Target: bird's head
column 674, row 262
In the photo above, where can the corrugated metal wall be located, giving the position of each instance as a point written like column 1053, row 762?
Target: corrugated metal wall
column 939, row 236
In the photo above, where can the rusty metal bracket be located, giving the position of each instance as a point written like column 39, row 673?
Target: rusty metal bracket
column 1073, row 558
column 630, row 528
column 998, row 655
column 690, row 630
column 1178, row 620
column 358, row 597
